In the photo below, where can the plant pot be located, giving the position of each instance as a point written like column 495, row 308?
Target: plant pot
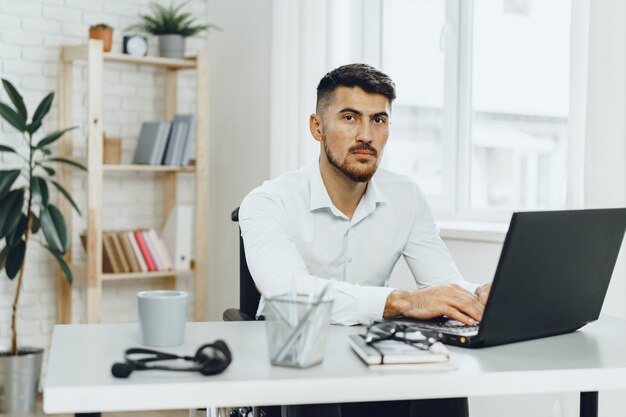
column 106, row 35
column 172, row 46
column 19, row 380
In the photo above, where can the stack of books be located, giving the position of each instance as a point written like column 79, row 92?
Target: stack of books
column 165, row 143
column 133, row 251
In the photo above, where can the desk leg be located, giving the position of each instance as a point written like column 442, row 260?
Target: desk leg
column 589, row 404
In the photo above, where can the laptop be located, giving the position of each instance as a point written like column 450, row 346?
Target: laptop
column 552, row 277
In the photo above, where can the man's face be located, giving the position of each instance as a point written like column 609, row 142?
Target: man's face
column 353, row 130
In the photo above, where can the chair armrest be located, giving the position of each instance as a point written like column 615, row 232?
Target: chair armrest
column 233, row 314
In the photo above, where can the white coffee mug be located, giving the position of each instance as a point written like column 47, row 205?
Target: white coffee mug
column 162, row 317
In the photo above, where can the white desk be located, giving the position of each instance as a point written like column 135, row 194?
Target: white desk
column 79, row 377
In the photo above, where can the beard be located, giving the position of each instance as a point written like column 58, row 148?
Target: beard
column 355, row 171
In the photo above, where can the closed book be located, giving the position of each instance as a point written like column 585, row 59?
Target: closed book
column 133, row 243
column 119, row 250
column 109, row 248
column 107, row 267
column 161, row 250
column 396, row 352
column 177, row 234
column 144, row 250
column 175, row 143
column 151, row 143
column 128, row 252
column 189, row 138
column 153, row 250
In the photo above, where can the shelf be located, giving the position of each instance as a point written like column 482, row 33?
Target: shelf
column 81, row 52
column 151, row 60
column 145, row 275
column 80, row 271
column 147, row 168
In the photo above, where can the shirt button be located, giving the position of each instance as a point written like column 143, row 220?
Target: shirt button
column 349, row 259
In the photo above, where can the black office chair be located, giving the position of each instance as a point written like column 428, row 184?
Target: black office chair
column 249, row 296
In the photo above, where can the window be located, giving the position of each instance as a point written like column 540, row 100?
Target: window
column 481, row 119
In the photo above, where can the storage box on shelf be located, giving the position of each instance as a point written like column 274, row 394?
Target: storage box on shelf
column 95, row 59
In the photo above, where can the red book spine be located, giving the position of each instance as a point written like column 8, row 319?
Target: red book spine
column 144, row 251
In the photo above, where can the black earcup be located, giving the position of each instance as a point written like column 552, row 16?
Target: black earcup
column 213, row 358
column 122, row 369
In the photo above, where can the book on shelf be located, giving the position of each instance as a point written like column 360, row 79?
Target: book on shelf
column 121, row 255
column 132, row 251
column 189, row 120
column 128, row 252
column 109, row 247
column 144, row 250
column 151, row 143
column 395, row 353
column 175, row 143
column 143, row 267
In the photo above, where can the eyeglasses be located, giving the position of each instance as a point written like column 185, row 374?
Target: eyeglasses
column 209, row 359
column 412, row 335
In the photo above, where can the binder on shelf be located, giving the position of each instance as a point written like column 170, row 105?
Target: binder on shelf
column 177, row 234
column 151, row 143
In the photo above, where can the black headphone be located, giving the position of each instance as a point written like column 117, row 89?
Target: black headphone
column 210, row 359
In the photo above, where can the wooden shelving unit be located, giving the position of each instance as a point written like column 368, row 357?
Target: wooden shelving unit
column 92, row 54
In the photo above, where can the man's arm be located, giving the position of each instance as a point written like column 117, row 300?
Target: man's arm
column 443, row 291
column 278, row 268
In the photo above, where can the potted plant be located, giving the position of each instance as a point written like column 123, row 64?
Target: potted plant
column 172, row 27
column 104, row 32
column 25, row 210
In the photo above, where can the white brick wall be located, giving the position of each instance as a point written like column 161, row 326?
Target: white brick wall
column 31, row 32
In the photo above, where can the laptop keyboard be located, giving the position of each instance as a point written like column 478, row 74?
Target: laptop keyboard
column 449, row 326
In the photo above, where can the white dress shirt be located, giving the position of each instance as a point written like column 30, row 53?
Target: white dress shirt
column 296, row 239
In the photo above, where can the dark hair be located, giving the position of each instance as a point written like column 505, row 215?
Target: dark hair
column 363, row 76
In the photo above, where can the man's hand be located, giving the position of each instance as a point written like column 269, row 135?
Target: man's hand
column 483, row 293
column 450, row 300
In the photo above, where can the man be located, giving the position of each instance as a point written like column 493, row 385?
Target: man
column 344, row 219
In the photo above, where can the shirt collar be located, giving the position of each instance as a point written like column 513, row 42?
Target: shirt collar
column 320, row 199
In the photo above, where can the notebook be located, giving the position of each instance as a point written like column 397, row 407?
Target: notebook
column 552, row 277
column 394, row 352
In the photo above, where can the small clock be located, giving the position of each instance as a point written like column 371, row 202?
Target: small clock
column 135, row 45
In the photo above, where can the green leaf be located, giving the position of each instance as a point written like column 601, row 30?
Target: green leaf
column 12, row 117
column 49, row 170
column 16, row 98
column 33, row 127
column 4, row 253
column 42, row 109
column 67, row 161
column 15, row 259
column 15, row 236
column 4, row 148
column 35, row 225
column 52, row 137
column 67, row 196
column 54, row 229
column 64, row 267
column 39, row 191
column 7, row 178
column 10, row 211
